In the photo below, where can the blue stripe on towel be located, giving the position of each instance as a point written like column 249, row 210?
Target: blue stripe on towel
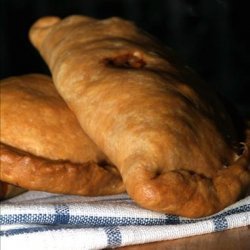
column 172, row 220
column 236, row 210
column 114, row 236
column 220, row 223
column 61, row 214
column 122, row 221
column 63, row 217
column 27, row 219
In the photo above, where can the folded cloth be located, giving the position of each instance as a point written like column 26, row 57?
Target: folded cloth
column 39, row 220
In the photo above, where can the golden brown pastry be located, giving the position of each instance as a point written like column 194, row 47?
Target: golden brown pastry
column 8, row 191
column 42, row 145
column 167, row 132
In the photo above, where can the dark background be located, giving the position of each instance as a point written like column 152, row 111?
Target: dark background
column 212, row 36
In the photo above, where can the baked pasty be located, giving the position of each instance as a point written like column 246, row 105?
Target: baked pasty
column 169, row 135
column 42, row 145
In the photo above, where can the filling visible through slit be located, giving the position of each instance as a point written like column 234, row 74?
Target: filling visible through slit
column 128, row 60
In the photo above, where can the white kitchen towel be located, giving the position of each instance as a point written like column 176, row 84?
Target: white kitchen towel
column 39, row 220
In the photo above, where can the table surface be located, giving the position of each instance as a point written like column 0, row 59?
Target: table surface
column 234, row 239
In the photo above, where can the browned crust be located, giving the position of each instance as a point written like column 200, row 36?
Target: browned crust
column 172, row 140
column 45, row 139
column 36, row 173
column 188, row 193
